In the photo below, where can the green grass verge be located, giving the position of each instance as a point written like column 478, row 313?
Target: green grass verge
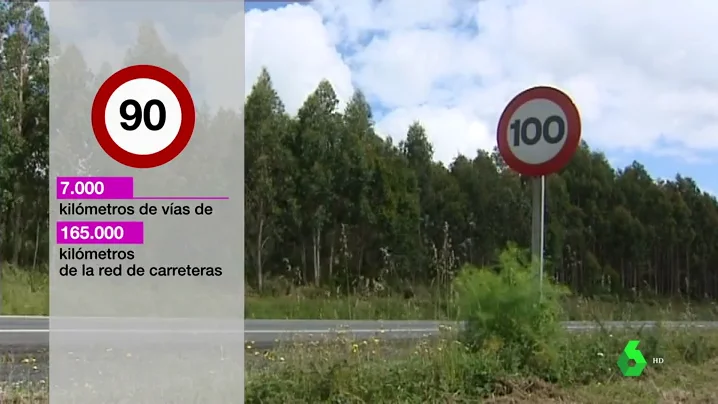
column 24, row 293
column 299, row 306
column 445, row 370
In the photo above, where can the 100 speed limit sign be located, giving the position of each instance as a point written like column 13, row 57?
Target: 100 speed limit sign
column 539, row 131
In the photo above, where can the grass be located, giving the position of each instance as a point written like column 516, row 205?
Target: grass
column 312, row 303
column 142, row 374
column 678, row 384
column 24, row 376
column 24, row 292
column 445, row 370
column 27, row 293
column 24, row 394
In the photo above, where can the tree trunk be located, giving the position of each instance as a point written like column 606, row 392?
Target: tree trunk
column 260, row 273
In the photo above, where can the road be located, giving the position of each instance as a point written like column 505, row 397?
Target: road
column 28, row 337
column 33, row 332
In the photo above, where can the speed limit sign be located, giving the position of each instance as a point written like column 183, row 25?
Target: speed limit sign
column 143, row 116
column 539, row 131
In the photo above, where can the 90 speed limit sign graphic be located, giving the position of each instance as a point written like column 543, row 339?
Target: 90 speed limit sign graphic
column 539, row 131
column 143, row 116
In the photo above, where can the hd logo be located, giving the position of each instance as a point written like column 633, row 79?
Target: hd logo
column 631, row 353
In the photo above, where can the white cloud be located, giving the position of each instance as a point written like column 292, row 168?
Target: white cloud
column 413, row 67
column 643, row 76
column 349, row 20
column 294, row 45
column 442, row 123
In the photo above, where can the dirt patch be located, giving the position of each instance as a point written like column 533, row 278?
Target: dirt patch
column 681, row 384
column 677, row 384
column 526, row 391
column 678, row 396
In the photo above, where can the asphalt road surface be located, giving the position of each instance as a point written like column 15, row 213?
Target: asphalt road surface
column 33, row 332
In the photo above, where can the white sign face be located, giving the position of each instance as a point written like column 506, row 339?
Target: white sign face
column 537, row 131
column 143, row 116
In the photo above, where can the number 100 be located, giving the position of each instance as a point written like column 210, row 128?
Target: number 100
column 520, row 130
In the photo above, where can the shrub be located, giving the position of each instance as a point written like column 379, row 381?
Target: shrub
column 506, row 313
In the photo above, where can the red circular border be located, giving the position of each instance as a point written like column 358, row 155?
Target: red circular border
column 573, row 136
column 121, row 155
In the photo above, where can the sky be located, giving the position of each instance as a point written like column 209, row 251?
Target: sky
column 644, row 79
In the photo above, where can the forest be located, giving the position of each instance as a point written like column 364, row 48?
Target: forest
column 330, row 202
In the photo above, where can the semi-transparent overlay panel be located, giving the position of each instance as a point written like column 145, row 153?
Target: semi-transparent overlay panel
column 147, row 284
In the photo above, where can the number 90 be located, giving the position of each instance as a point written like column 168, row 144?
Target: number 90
column 139, row 114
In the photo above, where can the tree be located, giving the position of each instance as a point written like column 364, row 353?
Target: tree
column 24, row 76
column 329, row 202
column 265, row 127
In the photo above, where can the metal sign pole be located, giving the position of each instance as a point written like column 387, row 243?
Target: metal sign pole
column 543, row 233
column 537, row 226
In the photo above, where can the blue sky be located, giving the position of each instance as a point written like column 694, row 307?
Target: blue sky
column 264, row 5
column 453, row 65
